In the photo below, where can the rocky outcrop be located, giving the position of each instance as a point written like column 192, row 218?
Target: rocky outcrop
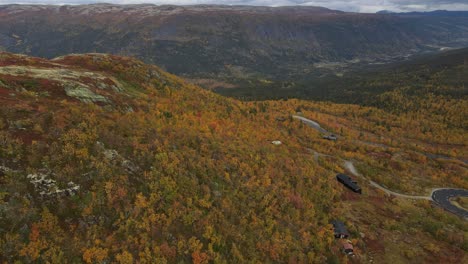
column 76, row 83
column 84, row 94
column 4, row 169
column 47, row 187
column 114, row 157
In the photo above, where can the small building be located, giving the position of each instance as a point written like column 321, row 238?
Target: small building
column 348, row 248
column 276, row 142
column 339, row 229
column 331, row 137
column 348, row 182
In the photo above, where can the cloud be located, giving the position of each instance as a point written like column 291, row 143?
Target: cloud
column 368, row 6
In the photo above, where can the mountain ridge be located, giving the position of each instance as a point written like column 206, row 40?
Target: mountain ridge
column 226, row 43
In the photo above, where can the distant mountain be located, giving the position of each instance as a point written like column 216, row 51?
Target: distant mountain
column 439, row 13
column 435, row 13
column 227, row 42
column 385, row 12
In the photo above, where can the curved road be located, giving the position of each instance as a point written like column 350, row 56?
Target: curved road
column 319, row 128
column 311, row 123
column 440, row 196
column 349, row 165
column 414, row 197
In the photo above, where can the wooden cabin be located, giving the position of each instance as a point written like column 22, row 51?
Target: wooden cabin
column 339, row 229
column 348, row 182
column 348, row 248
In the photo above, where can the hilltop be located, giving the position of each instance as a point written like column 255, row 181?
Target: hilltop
column 105, row 158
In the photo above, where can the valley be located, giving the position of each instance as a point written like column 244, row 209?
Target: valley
column 233, row 45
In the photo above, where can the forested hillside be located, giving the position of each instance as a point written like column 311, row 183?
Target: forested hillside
column 435, row 84
column 106, row 159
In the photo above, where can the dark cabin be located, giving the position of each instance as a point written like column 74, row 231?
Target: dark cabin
column 339, row 229
column 331, row 137
column 348, row 182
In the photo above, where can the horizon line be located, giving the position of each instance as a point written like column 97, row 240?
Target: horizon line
column 220, row 5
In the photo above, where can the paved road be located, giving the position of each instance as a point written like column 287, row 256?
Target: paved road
column 414, row 197
column 442, row 198
column 311, row 123
column 317, row 127
column 350, row 166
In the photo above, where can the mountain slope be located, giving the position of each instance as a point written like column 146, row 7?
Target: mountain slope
column 164, row 164
column 224, row 42
column 433, row 84
column 442, row 74
column 106, row 159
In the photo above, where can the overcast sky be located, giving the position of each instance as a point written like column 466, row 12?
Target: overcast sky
column 345, row 5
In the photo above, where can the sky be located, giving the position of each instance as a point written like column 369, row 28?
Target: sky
column 364, row 6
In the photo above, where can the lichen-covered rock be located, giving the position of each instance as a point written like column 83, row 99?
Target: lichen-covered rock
column 111, row 154
column 47, row 188
column 113, row 87
column 84, row 94
column 4, row 169
column 76, row 83
column 114, row 157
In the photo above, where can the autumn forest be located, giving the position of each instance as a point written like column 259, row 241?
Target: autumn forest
column 105, row 159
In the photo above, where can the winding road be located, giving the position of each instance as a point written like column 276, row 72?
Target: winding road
column 319, row 128
column 387, row 191
column 311, row 123
column 439, row 196
column 442, row 198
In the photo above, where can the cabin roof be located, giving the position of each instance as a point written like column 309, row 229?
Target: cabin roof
column 339, row 227
column 347, row 245
column 348, row 181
